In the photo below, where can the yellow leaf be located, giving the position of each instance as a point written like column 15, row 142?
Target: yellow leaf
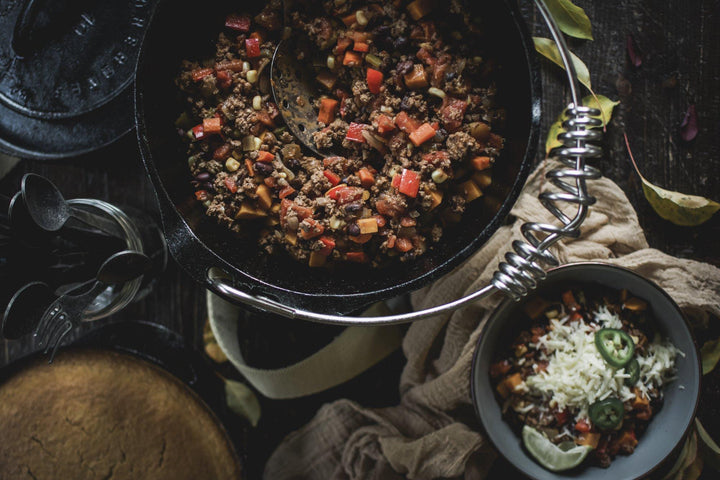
column 242, row 401
column 547, row 48
column 601, row 102
column 570, row 18
column 678, row 208
column 710, row 353
column 708, row 448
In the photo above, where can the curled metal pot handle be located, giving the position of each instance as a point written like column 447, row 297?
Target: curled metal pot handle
column 523, row 267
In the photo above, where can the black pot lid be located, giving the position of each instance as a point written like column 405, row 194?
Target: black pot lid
column 66, row 71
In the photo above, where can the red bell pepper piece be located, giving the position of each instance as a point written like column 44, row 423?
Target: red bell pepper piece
column 343, row 194
column 385, row 124
column 406, row 123
column 367, row 179
column 409, row 183
column 327, row 110
column 582, row 426
column 436, row 157
column 239, row 23
column 352, row 59
column 329, row 244
column 200, row 73
column 396, row 181
column 201, row 195
column 342, row 44
column 424, row 133
column 252, row 47
column 231, row 185
column 361, row 47
column 198, row 132
column 334, row 179
column 452, row 113
column 374, row 80
column 224, row 80
column 286, row 192
column 354, row 132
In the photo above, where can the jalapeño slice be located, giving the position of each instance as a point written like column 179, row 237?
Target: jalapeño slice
column 632, row 369
column 607, row 414
column 616, row 346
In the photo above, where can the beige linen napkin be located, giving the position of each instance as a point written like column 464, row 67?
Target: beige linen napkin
column 427, row 435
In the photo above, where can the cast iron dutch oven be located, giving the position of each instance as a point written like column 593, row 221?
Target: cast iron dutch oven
column 180, row 30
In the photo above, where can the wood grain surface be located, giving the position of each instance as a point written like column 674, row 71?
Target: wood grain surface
column 680, row 47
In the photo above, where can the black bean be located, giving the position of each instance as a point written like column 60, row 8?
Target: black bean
column 450, row 76
column 353, row 230
column 353, row 207
column 263, row 168
column 404, row 67
column 440, row 135
column 405, row 103
column 400, row 42
column 202, row 177
column 208, row 186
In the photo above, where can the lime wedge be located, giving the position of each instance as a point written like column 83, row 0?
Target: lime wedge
column 549, row 455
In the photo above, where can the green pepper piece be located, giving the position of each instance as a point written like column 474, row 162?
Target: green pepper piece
column 607, row 414
column 615, row 346
column 632, row 369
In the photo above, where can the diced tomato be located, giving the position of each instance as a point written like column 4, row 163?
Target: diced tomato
column 265, row 157
column 406, row 123
column 198, row 132
column 582, row 426
column 231, row 185
column 367, row 179
column 343, row 194
column 348, row 20
column 310, row 228
column 222, row 152
column 381, row 221
column 286, row 192
column 352, row 59
column 333, row 178
column 212, row 125
column 270, row 182
column 357, row 257
column 374, row 80
column 354, row 132
column 423, row 133
column 252, row 47
column 258, row 35
column 385, row 124
column 201, row 195
column 403, row 245
column 329, row 244
column 436, row 157
column 224, row 79
column 561, row 417
column 200, row 73
column 239, row 23
column 342, row 44
column 327, row 110
column 396, row 181
column 452, row 112
column 426, row 57
column 408, row 222
column 264, row 118
column 361, row 47
column 409, row 183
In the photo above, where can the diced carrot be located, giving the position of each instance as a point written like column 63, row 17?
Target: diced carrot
column 200, row 73
column 332, row 177
column 286, row 192
column 265, row 157
column 343, row 44
column 424, row 133
column 406, row 123
column 417, row 78
column 231, row 185
column 481, row 163
column 249, row 166
column 327, row 110
column 328, row 245
column 352, row 59
column 357, row 257
column 403, row 245
column 367, row 179
column 348, row 20
column 212, row 125
column 361, row 47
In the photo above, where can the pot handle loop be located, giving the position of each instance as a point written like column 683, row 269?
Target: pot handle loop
column 523, row 267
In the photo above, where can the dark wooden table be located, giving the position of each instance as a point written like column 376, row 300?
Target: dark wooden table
column 680, row 47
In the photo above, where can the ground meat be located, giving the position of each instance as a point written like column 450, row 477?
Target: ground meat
column 387, row 176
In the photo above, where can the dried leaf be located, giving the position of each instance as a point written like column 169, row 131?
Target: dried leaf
column 689, row 125
column 242, row 401
column 570, row 18
column 547, row 48
column 676, row 207
column 601, row 102
column 710, row 353
column 212, row 349
column 635, row 58
column 708, row 448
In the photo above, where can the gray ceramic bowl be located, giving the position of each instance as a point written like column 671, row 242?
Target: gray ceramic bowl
column 668, row 427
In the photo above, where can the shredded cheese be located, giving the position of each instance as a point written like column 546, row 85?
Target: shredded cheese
column 577, row 375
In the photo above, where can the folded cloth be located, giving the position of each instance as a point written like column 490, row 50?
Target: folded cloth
column 432, row 433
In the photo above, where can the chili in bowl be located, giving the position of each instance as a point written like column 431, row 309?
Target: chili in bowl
column 595, row 375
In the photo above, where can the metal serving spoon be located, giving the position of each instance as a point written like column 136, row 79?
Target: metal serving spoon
column 67, row 310
column 50, row 211
column 25, row 308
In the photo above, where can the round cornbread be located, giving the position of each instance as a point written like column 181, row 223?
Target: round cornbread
column 96, row 414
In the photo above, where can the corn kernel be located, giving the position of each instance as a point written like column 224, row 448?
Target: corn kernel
column 439, row 175
column 362, row 20
column 232, row 165
column 331, row 62
column 252, row 76
column 436, row 91
column 257, row 102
